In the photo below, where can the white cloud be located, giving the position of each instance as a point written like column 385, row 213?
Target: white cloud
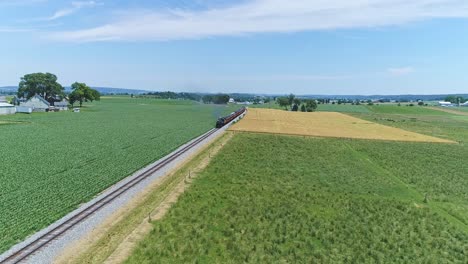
column 263, row 16
column 400, row 71
column 75, row 6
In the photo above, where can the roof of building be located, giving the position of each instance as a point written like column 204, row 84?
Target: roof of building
column 6, row 105
column 61, row 103
column 42, row 99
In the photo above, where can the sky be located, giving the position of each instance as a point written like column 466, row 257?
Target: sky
column 248, row 46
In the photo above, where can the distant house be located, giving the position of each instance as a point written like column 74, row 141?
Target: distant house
column 3, row 99
column 231, row 100
column 61, row 105
column 446, row 104
column 465, row 104
column 7, row 109
column 37, row 103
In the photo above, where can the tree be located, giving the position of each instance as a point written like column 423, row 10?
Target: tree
column 207, row 99
column 295, row 107
column 310, row 105
column 83, row 93
column 216, row 99
column 303, row 108
column 291, row 98
column 455, row 99
column 43, row 84
column 283, row 102
column 297, row 101
column 420, row 103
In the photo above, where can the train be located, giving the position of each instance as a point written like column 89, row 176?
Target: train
column 222, row 121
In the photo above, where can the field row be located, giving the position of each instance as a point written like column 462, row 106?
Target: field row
column 294, row 199
column 53, row 162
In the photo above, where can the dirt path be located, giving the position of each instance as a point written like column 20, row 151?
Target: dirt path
column 115, row 239
column 448, row 110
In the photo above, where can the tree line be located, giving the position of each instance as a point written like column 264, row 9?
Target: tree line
column 207, row 99
column 296, row 104
column 454, row 99
column 47, row 86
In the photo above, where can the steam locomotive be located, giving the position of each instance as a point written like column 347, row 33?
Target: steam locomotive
column 222, row 121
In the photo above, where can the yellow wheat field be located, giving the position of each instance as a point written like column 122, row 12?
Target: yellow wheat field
column 324, row 124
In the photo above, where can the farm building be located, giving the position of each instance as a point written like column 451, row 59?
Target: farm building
column 445, row 104
column 61, row 105
column 3, row 99
column 7, row 109
column 37, row 103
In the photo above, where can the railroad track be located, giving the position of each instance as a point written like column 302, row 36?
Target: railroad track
column 26, row 251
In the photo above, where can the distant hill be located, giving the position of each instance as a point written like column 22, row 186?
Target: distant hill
column 102, row 90
column 401, row 97
column 398, row 97
column 111, row 90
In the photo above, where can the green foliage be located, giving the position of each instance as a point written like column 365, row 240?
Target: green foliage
column 82, row 93
column 297, row 101
column 260, row 203
column 291, row 98
column 310, row 104
column 455, row 99
column 303, row 108
column 43, row 84
column 65, row 159
column 283, row 102
column 216, row 99
column 295, row 108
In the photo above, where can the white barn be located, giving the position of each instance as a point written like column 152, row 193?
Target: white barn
column 443, row 103
column 7, row 109
column 37, row 103
column 62, row 105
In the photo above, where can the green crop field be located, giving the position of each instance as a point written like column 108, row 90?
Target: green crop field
column 343, row 108
column 283, row 199
column 404, row 109
column 52, row 162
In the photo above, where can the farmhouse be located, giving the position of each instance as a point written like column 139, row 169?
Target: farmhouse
column 7, row 109
column 37, row 103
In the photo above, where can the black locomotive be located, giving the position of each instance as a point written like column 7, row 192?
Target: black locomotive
column 222, row 121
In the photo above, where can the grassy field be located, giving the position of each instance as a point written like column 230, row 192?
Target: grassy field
column 404, row 110
column 298, row 199
column 52, row 162
column 291, row 199
column 347, row 108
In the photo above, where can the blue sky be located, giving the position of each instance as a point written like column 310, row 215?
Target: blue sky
column 261, row 46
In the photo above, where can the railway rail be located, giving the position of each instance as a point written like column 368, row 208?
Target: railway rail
column 28, row 250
